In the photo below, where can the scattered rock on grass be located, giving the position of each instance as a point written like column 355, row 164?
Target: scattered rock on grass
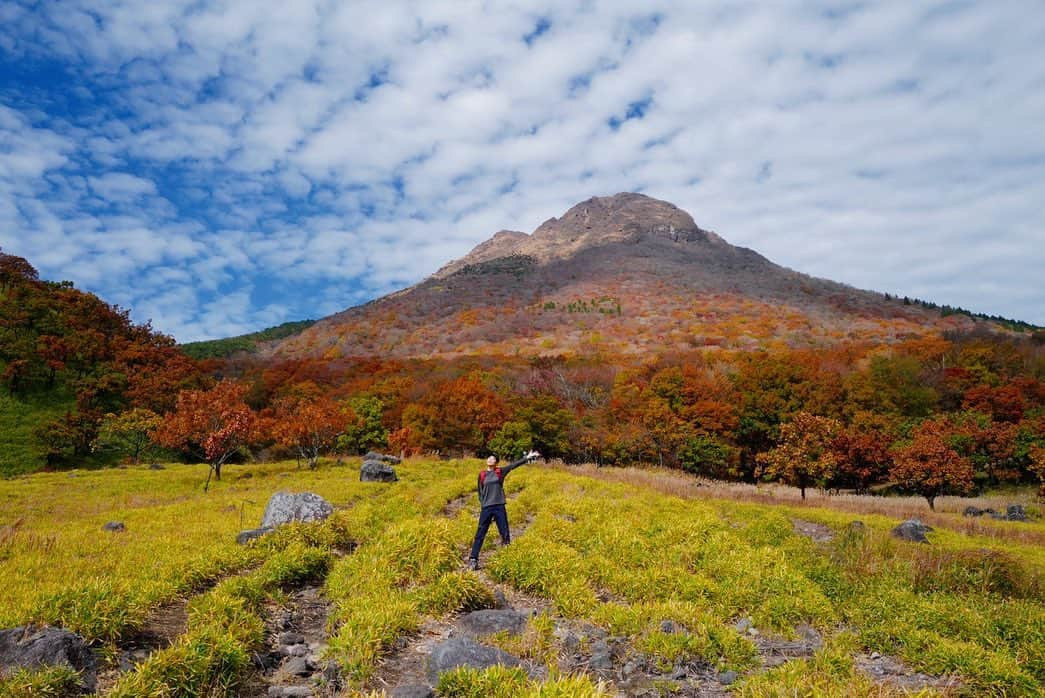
column 244, row 537
column 490, row 621
column 285, row 507
column 727, row 677
column 33, row 647
column 114, row 526
column 1016, row 512
column 462, row 651
column 377, row 471
column 912, row 530
column 157, row 466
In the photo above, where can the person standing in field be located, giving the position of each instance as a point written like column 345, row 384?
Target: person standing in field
column 492, row 503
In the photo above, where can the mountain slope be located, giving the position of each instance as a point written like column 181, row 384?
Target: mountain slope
column 624, row 274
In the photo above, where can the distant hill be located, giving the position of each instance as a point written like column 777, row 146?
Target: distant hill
column 617, row 275
column 244, row 343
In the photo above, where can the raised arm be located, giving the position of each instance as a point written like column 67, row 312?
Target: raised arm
column 531, row 456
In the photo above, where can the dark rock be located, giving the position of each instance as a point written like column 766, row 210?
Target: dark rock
column 670, row 627
column 297, row 666
column 974, row 511
column 413, row 690
column 499, row 599
column 157, row 466
column 285, row 507
column 492, row 620
column 1016, row 512
column 32, row 647
column 601, row 656
column 462, row 651
column 382, row 457
column 297, row 650
column 244, row 537
column 377, row 471
column 727, row 677
column 291, row 638
column 290, row 692
column 332, row 673
column 114, row 526
column 912, row 530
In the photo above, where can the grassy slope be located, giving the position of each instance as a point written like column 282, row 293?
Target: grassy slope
column 223, row 348
column 20, row 451
column 622, row 555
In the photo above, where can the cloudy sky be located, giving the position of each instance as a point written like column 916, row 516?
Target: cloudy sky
column 220, row 167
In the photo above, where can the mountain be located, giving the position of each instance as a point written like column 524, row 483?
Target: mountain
column 624, row 274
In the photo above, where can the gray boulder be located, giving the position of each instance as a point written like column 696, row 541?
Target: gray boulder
column 114, row 527
column 377, row 471
column 492, row 620
column 462, row 651
column 32, row 647
column 1015, row 512
column 285, row 507
column 912, row 530
column 383, row 457
column 244, row 537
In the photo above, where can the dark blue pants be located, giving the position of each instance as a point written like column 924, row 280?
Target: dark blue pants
column 497, row 514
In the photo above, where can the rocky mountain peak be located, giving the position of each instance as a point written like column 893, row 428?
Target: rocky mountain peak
column 622, row 218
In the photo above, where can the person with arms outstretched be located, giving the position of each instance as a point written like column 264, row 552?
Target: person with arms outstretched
column 492, row 503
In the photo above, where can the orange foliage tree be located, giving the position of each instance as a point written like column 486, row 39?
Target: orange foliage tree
column 309, row 427
column 929, row 465
column 805, row 455
column 209, row 424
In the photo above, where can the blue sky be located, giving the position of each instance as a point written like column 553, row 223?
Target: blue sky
column 219, row 167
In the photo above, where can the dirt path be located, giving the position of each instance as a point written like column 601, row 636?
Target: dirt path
column 290, row 665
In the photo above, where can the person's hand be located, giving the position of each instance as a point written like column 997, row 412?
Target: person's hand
column 533, row 455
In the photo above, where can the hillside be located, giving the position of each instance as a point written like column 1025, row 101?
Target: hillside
column 620, row 275
column 617, row 582
column 245, row 343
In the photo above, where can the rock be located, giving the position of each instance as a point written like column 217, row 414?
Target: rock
column 157, row 466
column 297, row 650
column 601, row 656
column 1015, row 512
column 382, row 457
column 912, row 530
column 631, row 667
column 670, row 627
column 492, row 620
column 115, row 527
column 743, row 625
column 974, row 511
column 332, row 673
column 810, row 636
column 297, row 666
column 727, row 677
column 377, row 471
column 290, row 692
column 285, row 507
column 244, row 537
column 32, row 647
column 462, row 651
column 291, row 638
column 499, row 600
column 412, row 690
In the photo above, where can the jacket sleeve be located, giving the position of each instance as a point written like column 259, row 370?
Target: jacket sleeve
column 513, row 465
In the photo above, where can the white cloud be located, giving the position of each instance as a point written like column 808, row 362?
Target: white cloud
column 237, row 150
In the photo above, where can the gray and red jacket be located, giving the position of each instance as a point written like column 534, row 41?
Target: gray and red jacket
column 491, row 483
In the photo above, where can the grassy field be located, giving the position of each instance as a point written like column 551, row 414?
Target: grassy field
column 622, row 550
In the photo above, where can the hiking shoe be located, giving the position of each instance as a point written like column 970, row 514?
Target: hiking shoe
column 473, row 564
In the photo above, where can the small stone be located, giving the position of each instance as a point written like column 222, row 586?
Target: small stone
column 727, row 677
column 500, row 600
column 912, row 530
column 290, row 692
column 114, row 526
column 753, row 632
column 1016, row 512
column 973, row 511
column 876, row 655
column 413, row 690
column 298, row 650
column 742, row 625
column 157, row 466
column 669, row 627
column 297, row 666
column 291, row 638
column 601, row 656
column 774, row 661
column 630, row 668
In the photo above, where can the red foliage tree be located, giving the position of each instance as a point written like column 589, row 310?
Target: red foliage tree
column 929, row 465
column 309, row 427
column 209, row 424
column 805, row 455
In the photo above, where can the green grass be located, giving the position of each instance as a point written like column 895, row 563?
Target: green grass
column 20, row 451
column 621, row 556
